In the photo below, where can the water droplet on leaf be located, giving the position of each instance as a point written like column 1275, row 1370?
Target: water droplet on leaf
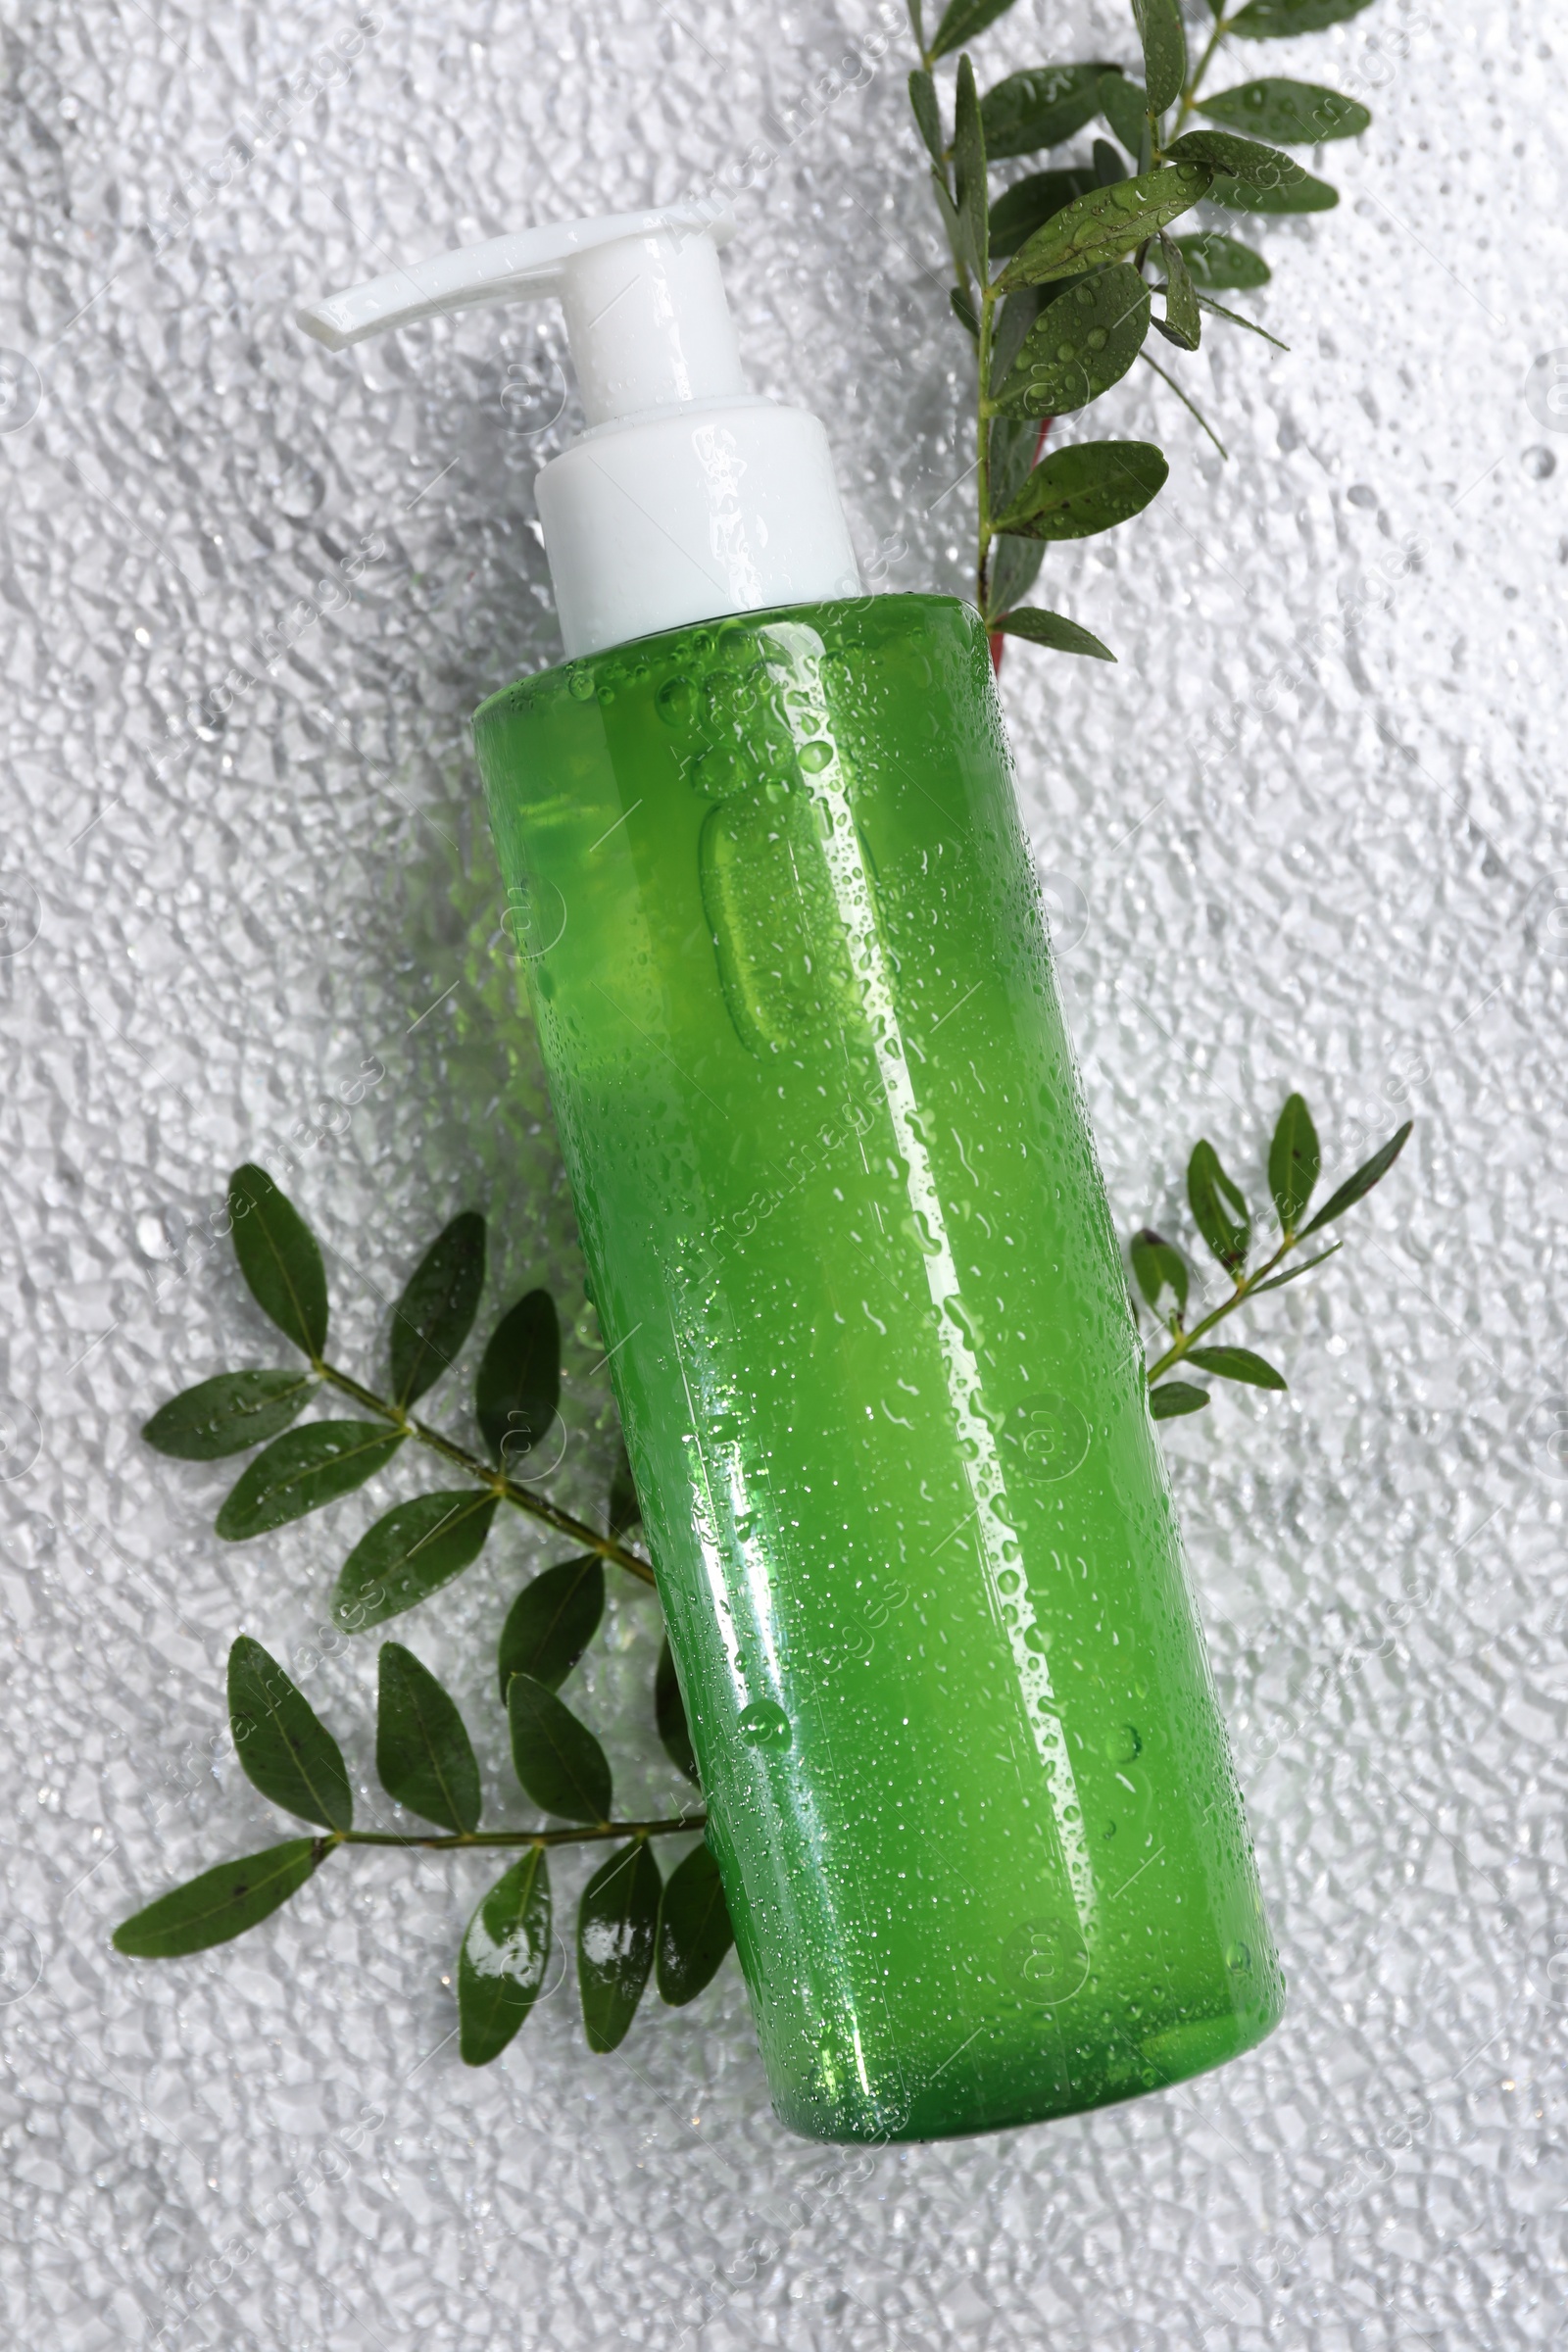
column 765, row 1724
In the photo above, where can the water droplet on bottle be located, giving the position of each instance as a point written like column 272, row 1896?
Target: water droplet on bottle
column 717, row 773
column 676, row 702
column 815, row 757
column 1123, row 1745
column 1539, row 462
column 1238, row 1960
column 765, row 1724
column 736, row 643
column 580, row 684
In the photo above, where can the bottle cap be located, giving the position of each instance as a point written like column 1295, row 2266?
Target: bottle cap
column 688, row 496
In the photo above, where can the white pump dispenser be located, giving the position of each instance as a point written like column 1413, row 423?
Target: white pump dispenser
column 688, row 496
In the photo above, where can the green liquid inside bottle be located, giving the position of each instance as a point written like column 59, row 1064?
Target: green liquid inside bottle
column 870, row 1339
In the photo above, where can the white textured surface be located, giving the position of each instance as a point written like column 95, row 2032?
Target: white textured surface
column 1310, row 831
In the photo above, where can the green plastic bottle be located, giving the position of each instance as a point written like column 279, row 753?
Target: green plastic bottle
column 863, row 1304
column 870, row 1339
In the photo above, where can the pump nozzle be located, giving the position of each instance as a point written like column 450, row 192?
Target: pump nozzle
column 688, row 496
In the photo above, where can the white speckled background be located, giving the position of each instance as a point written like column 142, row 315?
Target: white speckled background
column 1311, row 831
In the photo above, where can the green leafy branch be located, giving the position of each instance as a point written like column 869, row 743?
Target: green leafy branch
column 1070, row 309
column 418, row 1546
column 631, row 1921
column 1221, row 1214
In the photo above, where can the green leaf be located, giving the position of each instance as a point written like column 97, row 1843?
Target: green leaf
column 1254, row 177
column 423, row 1754
column 1356, row 1187
column 694, row 1928
column 1014, row 316
column 1029, row 203
column 625, row 1511
column 1081, row 345
column 1106, row 223
column 436, row 1314
column 1219, row 1208
column 1216, row 260
column 964, row 313
column 618, row 1922
column 927, row 114
column 1125, row 103
column 284, row 1748
column 1052, row 629
column 520, row 1378
column 1014, row 563
column 1295, row 1161
column 949, row 217
column 1299, row 113
column 1040, row 108
column 552, row 1622
column 1280, row 20
column 1164, row 40
column 961, row 19
column 1278, row 1282
column 1236, row 1363
column 1174, row 1397
column 506, row 1951
column 1091, row 486
column 1303, row 195
column 1157, row 1266
column 1108, row 167
column 220, row 1904
column 969, row 174
column 670, row 1715
column 301, row 1471
column 1183, row 322
column 558, row 1759
column 225, row 1415
column 280, row 1258
column 409, row 1553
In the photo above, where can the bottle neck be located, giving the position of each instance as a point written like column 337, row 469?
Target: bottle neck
column 694, row 513
column 648, row 325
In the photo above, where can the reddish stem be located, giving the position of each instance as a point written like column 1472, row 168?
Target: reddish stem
column 998, row 639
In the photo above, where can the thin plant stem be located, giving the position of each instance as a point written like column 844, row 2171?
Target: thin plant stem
column 1236, row 319
column 596, row 1833
column 1246, row 1284
column 1187, row 404
column 507, row 1489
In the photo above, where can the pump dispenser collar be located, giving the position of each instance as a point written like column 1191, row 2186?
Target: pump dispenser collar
column 689, row 497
